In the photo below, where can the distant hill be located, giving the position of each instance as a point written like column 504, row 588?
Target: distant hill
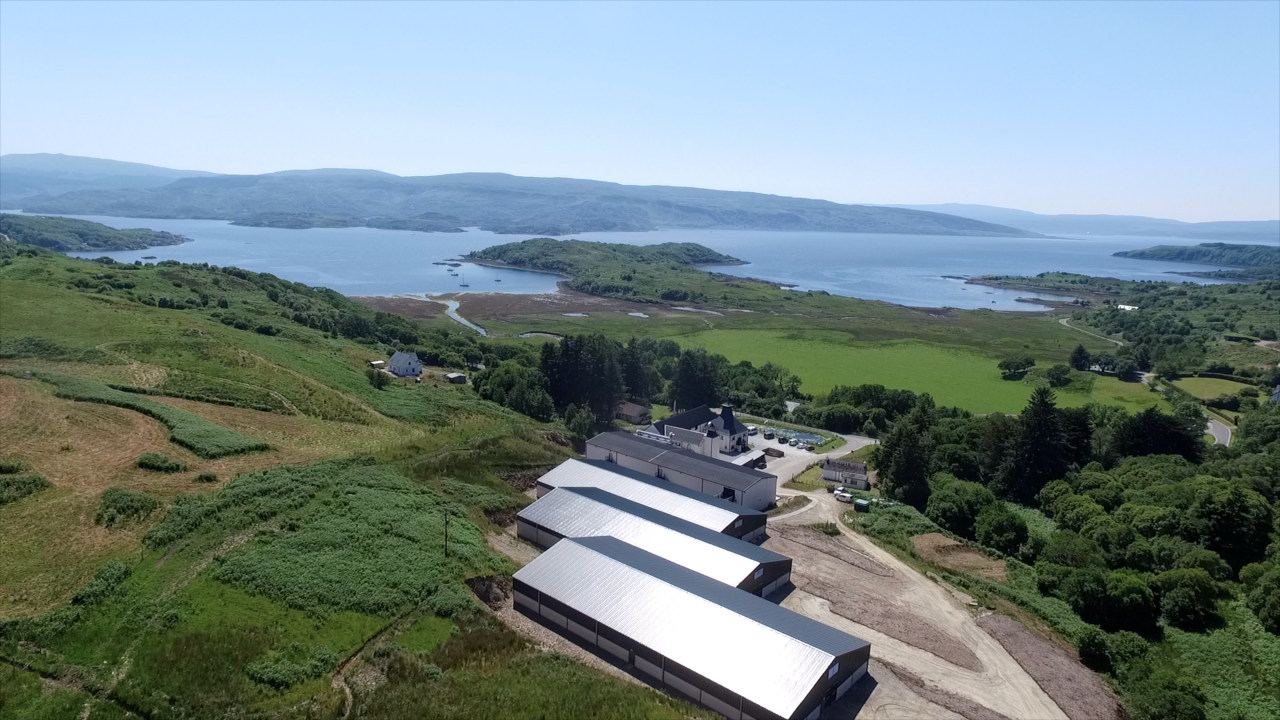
column 1246, row 256
column 68, row 235
column 1239, row 231
column 497, row 202
column 30, row 175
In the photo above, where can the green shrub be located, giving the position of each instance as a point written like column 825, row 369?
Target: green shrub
column 1264, row 600
column 998, row 528
column 15, row 487
column 207, row 477
column 160, row 463
column 104, row 582
column 1094, row 651
column 121, row 506
column 955, row 504
column 186, row 429
column 13, row 467
column 295, row 666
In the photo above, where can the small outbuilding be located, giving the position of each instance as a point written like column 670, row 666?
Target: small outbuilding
column 456, row 377
column 849, row 473
column 633, row 412
column 737, row 654
column 575, row 512
column 378, row 364
column 405, row 364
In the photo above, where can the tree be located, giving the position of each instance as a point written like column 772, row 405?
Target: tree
column 955, row 504
column 1015, row 367
column 904, row 459
column 1058, row 375
column 1080, row 359
column 998, row 528
column 1230, row 520
column 580, row 422
column 1189, row 598
column 1072, row 550
column 520, row 388
column 1264, row 599
column 377, row 378
column 694, row 383
column 1094, row 652
column 1152, row 432
column 1130, row 603
column 1035, row 457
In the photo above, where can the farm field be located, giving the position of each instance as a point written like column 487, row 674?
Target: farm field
column 1209, row 388
column 953, row 376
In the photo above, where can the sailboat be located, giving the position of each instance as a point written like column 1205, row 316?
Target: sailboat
column 463, row 283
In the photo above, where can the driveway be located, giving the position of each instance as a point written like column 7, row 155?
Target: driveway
column 912, row 623
column 1220, row 432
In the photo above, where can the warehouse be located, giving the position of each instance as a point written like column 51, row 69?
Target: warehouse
column 735, row 653
column 713, row 513
column 743, row 485
column 574, row 512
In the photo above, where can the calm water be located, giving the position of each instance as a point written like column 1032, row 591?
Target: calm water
column 905, row 269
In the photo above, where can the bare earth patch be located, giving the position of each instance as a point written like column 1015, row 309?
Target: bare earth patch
column 1080, row 692
column 961, row 706
column 413, row 308
column 829, row 545
column 945, row 552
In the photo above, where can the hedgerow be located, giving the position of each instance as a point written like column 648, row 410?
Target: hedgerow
column 160, row 463
column 186, row 429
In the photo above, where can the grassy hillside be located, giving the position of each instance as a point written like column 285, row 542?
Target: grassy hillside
column 264, row 583
column 67, row 235
column 502, row 203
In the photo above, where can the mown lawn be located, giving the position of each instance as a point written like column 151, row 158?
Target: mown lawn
column 1208, row 388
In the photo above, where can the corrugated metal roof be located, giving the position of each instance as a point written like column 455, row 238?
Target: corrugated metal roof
column 681, row 460
column 587, row 512
column 705, row 510
column 766, row 653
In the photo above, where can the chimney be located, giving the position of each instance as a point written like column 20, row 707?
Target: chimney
column 726, row 414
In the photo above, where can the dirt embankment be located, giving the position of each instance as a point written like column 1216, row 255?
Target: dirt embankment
column 945, row 552
column 1079, row 691
column 825, row 574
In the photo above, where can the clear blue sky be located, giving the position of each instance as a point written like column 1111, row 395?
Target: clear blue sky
column 1151, row 108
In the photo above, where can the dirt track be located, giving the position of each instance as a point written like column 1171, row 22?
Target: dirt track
column 995, row 681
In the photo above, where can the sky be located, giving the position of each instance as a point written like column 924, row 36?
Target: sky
column 1145, row 108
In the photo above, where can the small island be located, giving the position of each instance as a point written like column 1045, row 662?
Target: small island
column 70, row 235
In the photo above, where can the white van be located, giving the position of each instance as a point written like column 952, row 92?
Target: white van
column 751, row 430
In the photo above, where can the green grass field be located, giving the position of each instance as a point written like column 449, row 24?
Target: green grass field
column 1209, row 388
column 953, row 376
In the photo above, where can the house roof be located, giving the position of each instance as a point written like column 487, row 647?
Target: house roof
column 574, row 512
column 680, row 460
column 686, row 436
column 767, row 654
column 689, row 419
column 402, row 355
column 698, row 508
column 846, row 466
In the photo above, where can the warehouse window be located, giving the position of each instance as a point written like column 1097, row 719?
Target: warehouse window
column 737, row 523
column 759, row 573
column 835, row 668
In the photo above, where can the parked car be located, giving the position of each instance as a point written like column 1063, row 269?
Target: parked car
column 843, row 497
column 768, row 433
column 793, row 442
column 752, row 430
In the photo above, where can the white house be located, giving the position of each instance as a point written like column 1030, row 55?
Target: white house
column 1127, row 307
column 405, row 364
column 703, row 431
column 847, row 473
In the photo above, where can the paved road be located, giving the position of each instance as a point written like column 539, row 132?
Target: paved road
column 1094, row 334
column 1220, row 432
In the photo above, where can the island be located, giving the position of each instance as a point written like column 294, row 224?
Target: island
column 70, row 235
